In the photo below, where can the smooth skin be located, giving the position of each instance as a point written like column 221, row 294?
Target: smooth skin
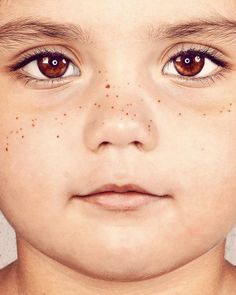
column 60, row 141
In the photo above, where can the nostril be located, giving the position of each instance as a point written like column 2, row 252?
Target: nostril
column 138, row 144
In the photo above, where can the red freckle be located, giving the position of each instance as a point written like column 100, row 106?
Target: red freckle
column 108, row 86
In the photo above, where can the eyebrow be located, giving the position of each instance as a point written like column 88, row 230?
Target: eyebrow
column 24, row 30
column 219, row 28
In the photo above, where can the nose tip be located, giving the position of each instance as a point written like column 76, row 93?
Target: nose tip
column 120, row 134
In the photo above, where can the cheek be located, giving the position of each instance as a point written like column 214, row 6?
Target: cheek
column 205, row 173
column 34, row 166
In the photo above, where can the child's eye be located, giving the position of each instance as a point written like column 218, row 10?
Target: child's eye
column 45, row 68
column 196, row 65
column 50, row 67
column 190, row 65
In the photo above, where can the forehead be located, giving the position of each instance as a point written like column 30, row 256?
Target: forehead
column 118, row 15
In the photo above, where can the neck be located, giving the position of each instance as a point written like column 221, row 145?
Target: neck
column 38, row 274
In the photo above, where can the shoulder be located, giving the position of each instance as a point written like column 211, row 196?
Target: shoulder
column 7, row 280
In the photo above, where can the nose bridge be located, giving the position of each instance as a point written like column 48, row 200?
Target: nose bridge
column 120, row 116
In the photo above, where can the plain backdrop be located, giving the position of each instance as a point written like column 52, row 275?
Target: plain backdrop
column 8, row 244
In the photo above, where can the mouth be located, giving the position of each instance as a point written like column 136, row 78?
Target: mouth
column 126, row 197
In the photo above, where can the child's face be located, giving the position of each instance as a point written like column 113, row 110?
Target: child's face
column 54, row 132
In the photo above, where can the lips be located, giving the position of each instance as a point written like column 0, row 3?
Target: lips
column 115, row 197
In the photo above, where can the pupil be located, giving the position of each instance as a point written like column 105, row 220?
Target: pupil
column 54, row 62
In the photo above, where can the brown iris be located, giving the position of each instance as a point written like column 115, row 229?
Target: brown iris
column 189, row 64
column 53, row 66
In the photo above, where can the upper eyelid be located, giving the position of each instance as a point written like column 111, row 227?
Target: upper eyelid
column 35, row 52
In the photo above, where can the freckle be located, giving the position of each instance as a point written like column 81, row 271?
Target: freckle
column 99, row 105
column 65, row 115
column 230, row 104
column 17, row 132
column 58, row 136
column 117, row 95
column 61, row 123
column 149, row 126
column 7, row 143
column 128, row 83
column 107, row 95
column 6, row 137
column 135, row 115
column 20, row 129
column 6, row 149
column 33, row 125
column 99, row 72
column 11, row 131
column 139, row 85
column 159, row 100
column 127, row 114
column 55, row 119
column 108, row 86
column 112, row 107
column 150, row 120
column 80, row 107
column 229, row 111
column 221, row 112
column 22, row 136
column 17, row 118
column 95, row 104
column 180, row 114
column 204, row 114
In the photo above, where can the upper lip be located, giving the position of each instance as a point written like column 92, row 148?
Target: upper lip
column 120, row 189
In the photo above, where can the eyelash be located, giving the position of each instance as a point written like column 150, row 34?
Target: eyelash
column 207, row 52
column 32, row 56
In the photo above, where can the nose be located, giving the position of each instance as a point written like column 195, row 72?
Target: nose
column 115, row 129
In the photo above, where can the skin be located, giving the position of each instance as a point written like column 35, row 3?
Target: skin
column 55, row 149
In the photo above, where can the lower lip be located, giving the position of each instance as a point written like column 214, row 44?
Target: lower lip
column 120, row 201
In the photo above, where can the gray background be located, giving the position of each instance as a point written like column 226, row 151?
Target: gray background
column 8, row 244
